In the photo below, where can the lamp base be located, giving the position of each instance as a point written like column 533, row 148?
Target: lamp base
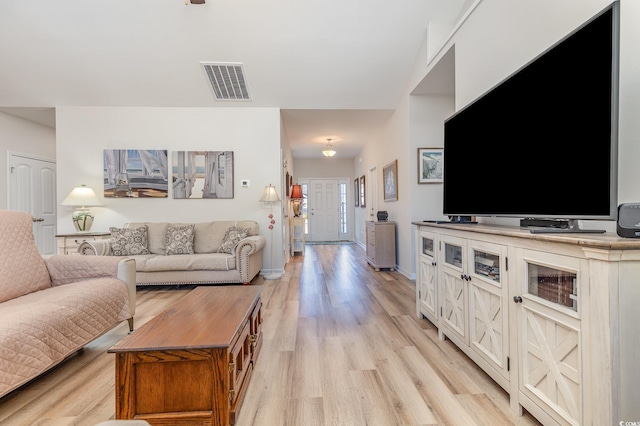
column 297, row 207
column 82, row 220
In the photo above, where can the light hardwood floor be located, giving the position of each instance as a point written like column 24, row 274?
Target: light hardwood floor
column 342, row 346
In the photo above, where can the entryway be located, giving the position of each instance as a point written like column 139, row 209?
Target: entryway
column 326, row 209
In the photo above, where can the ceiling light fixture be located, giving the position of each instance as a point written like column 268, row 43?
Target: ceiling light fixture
column 329, row 152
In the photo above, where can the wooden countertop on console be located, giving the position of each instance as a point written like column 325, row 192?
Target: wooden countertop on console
column 606, row 241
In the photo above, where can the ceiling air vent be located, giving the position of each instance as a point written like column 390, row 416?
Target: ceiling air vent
column 227, row 80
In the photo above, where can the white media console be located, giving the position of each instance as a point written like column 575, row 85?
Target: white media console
column 552, row 318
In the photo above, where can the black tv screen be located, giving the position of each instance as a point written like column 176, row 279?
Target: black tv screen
column 543, row 142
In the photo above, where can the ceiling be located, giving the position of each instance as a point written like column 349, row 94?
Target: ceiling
column 337, row 69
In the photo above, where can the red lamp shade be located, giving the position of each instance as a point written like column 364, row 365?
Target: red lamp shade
column 296, row 192
column 296, row 198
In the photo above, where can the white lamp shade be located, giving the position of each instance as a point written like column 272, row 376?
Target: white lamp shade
column 82, row 196
column 269, row 195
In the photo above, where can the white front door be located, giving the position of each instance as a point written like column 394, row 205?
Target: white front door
column 32, row 188
column 324, row 219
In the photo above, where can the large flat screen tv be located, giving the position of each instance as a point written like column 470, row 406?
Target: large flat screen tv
column 543, row 142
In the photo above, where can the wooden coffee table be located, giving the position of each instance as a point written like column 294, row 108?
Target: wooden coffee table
column 191, row 364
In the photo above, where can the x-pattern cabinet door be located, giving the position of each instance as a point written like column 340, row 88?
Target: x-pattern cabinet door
column 488, row 303
column 549, row 333
column 427, row 278
column 454, row 288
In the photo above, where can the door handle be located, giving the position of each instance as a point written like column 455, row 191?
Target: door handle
column 39, row 219
column 517, row 299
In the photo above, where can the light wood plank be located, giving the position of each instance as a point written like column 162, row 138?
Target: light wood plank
column 341, row 346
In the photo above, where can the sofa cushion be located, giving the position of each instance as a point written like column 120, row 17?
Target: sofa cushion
column 209, row 236
column 191, row 262
column 22, row 269
column 129, row 241
column 231, row 239
column 179, row 239
column 157, row 234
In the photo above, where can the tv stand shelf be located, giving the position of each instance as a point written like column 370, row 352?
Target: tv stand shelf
column 508, row 298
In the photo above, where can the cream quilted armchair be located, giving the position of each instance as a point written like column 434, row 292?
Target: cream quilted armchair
column 51, row 308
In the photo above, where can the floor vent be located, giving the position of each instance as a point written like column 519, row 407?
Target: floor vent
column 227, row 80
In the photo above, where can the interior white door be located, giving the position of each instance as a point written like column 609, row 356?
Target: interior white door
column 372, row 193
column 32, row 188
column 324, row 220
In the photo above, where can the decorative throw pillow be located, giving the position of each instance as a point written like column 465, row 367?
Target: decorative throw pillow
column 180, row 239
column 129, row 241
column 232, row 238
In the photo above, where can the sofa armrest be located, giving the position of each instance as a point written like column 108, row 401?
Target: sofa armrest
column 65, row 269
column 248, row 255
column 95, row 248
column 249, row 245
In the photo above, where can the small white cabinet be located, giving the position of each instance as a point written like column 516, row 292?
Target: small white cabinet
column 381, row 244
column 297, row 235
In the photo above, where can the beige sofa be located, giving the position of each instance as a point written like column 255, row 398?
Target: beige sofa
column 51, row 308
column 198, row 258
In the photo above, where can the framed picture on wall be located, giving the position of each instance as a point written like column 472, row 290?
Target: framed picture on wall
column 202, row 174
column 356, row 191
column 390, row 179
column 136, row 173
column 363, row 197
column 430, row 165
column 286, row 183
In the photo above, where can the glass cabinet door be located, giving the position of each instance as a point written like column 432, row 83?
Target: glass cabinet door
column 486, row 265
column 453, row 255
column 554, row 285
column 427, row 246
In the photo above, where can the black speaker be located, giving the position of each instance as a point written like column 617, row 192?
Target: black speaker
column 629, row 220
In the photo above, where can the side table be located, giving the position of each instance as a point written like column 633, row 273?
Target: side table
column 381, row 244
column 297, row 235
column 68, row 243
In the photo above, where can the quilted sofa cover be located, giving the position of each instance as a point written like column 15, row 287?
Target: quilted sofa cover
column 51, row 308
column 205, row 266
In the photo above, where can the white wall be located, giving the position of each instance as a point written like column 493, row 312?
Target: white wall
column 322, row 168
column 490, row 47
column 253, row 134
column 495, row 40
column 390, row 145
column 629, row 124
column 25, row 137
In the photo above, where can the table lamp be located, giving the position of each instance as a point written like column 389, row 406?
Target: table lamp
column 296, row 197
column 82, row 197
